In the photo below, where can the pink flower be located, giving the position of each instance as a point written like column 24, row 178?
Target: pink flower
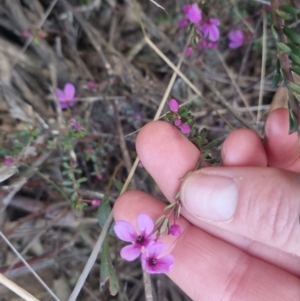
column 99, row 177
column 140, row 165
column 91, row 84
column 205, row 44
column 177, row 122
column 237, row 38
column 152, row 263
column 125, row 231
column 138, row 116
column 95, row 203
column 66, row 97
column 75, row 125
column 188, row 51
column 89, row 150
column 173, row 105
column 183, row 23
column 210, row 29
column 8, row 161
column 193, row 13
column 175, row 230
column 185, row 128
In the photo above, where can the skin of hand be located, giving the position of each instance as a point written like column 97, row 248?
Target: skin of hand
column 240, row 223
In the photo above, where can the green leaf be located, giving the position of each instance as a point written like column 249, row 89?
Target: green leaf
column 294, row 48
column 296, row 69
column 275, row 33
column 291, row 34
column 211, row 144
column 295, row 59
column 277, row 75
column 107, row 271
column 289, row 9
column 283, row 47
column 67, row 183
column 294, row 87
column 164, row 226
column 118, row 184
column 81, row 180
column 293, row 123
column 283, row 15
column 103, row 213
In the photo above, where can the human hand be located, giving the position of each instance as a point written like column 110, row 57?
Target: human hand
column 247, row 245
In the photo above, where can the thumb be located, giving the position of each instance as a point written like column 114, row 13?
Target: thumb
column 260, row 203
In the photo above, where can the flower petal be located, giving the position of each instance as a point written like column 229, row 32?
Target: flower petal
column 205, row 30
column 131, row 252
column 69, row 91
column 194, row 14
column 125, row 231
column 156, row 249
column 60, row 95
column 214, row 21
column 145, row 224
column 165, row 263
column 214, row 33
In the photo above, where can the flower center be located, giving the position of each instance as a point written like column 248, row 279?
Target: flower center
column 152, row 261
column 140, row 239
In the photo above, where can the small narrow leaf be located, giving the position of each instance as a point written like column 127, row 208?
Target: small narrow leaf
column 283, row 47
column 293, row 124
column 296, row 69
column 164, row 226
column 289, row 9
column 294, row 87
column 291, row 34
column 118, row 184
column 277, row 75
column 107, row 272
column 295, row 59
column 103, row 213
column 275, row 33
column 283, row 15
column 294, row 48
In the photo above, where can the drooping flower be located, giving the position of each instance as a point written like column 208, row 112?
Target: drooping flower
column 152, row 262
column 237, row 38
column 175, row 230
column 193, row 13
column 173, row 105
column 210, row 29
column 185, row 128
column 66, row 96
column 125, row 231
column 8, row 161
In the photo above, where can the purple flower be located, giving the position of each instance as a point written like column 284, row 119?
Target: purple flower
column 138, row 116
column 185, row 128
column 151, row 262
column 205, row 44
column 210, row 29
column 99, row 177
column 177, row 122
column 193, row 13
column 188, row 51
column 140, row 165
column 125, row 231
column 91, row 84
column 237, row 38
column 66, row 96
column 75, row 125
column 8, row 161
column 95, row 203
column 183, row 23
column 173, row 105
column 175, row 230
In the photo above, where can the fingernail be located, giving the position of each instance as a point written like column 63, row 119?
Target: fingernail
column 209, row 197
